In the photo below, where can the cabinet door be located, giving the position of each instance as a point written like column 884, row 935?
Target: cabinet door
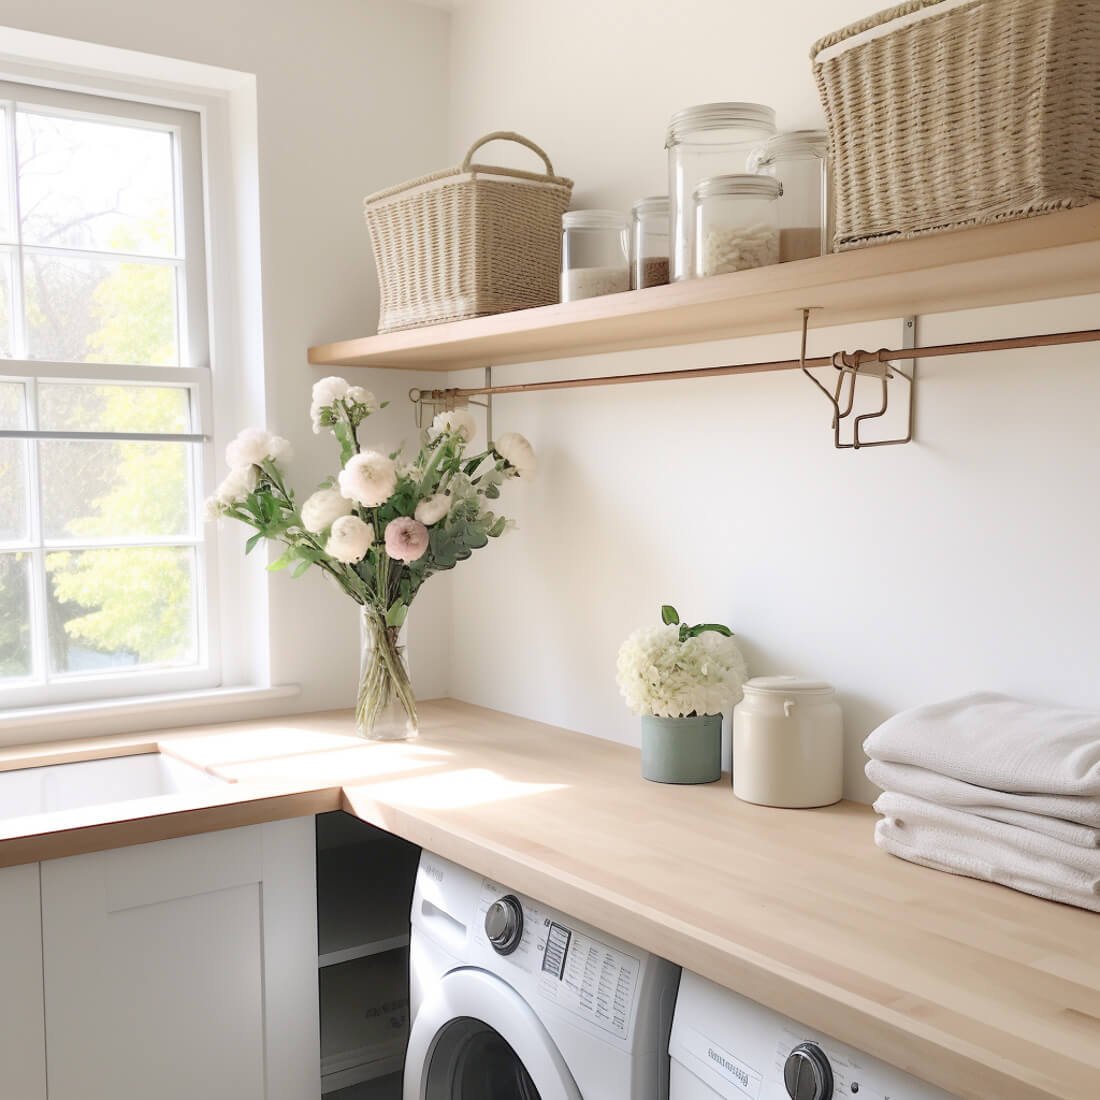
column 170, row 968
column 22, row 1035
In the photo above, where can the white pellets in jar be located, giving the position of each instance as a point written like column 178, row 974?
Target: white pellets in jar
column 736, row 248
column 591, row 282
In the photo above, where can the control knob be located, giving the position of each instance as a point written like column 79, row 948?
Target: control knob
column 807, row 1073
column 504, row 924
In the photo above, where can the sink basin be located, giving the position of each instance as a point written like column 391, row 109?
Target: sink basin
column 54, row 787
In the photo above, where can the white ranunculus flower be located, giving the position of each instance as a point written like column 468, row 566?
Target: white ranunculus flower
column 236, row 485
column 349, row 540
column 357, row 395
column 329, row 390
column 432, row 509
column 459, row 421
column 517, row 452
column 323, row 508
column 369, row 479
column 658, row 674
column 253, row 446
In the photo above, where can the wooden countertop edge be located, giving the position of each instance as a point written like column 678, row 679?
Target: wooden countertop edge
column 896, row 1038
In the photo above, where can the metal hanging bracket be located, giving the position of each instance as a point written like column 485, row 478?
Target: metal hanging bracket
column 850, row 367
column 437, row 401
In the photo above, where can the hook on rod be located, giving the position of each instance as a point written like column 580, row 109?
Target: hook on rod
column 849, row 367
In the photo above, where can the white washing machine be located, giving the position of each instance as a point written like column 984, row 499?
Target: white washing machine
column 724, row 1045
column 511, row 1000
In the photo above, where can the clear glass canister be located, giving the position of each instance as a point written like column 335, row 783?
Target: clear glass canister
column 714, row 139
column 800, row 161
column 594, row 254
column 649, row 242
column 736, row 223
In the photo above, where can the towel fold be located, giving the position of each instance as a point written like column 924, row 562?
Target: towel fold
column 962, row 844
column 1074, row 819
column 997, row 742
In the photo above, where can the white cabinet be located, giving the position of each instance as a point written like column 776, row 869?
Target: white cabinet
column 22, row 1034
column 184, row 969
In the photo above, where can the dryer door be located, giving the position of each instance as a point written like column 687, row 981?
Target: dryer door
column 476, row 1038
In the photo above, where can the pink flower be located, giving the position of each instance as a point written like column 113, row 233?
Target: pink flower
column 406, row 539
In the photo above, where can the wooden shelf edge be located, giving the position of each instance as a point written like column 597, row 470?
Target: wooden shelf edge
column 1049, row 256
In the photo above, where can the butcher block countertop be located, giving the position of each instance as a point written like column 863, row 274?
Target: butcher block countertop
column 988, row 993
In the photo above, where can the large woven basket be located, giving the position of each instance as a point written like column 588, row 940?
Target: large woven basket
column 468, row 241
column 949, row 113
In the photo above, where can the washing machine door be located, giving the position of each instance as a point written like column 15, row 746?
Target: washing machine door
column 476, row 1038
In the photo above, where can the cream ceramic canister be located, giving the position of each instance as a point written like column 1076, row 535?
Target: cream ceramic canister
column 788, row 743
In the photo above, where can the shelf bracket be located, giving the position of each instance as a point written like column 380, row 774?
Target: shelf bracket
column 437, row 401
column 850, row 366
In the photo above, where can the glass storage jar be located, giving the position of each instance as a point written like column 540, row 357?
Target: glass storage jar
column 713, row 139
column 649, row 242
column 736, row 223
column 594, row 257
column 799, row 160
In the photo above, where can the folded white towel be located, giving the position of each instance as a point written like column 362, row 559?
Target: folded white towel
column 1072, row 818
column 997, row 742
column 962, row 844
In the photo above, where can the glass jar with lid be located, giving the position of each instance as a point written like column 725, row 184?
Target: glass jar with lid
column 713, row 139
column 736, row 223
column 594, row 255
column 799, row 160
column 649, row 242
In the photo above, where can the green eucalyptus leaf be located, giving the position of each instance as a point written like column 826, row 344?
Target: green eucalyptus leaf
column 281, row 562
column 669, row 615
column 498, row 528
column 301, row 568
column 253, row 540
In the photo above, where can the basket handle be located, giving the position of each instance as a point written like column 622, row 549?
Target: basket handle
column 505, row 135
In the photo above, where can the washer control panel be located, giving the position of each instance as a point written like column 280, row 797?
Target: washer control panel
column 567, row 966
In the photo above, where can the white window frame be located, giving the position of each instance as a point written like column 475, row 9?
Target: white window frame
column 193, row 374
column 226, row 102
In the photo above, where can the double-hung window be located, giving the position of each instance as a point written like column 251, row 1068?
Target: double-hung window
column 105, row 400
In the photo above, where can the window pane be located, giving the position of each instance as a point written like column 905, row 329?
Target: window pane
column 13, row 466
column 15, row 616
column 5, row 304
column 7, row 222
column 95, row 491
column 97, row 185
column 100, row 311
column 83, row 407
column 119, row 608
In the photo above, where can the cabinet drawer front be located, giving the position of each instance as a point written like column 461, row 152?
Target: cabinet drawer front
column 180, row 868
column 22, row 1034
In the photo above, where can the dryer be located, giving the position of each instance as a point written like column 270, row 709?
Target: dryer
column 513, row 1000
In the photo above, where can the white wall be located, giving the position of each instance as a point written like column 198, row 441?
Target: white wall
column 902, row 575
column 352, row 97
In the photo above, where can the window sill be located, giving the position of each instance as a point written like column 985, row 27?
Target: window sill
column 139, row 713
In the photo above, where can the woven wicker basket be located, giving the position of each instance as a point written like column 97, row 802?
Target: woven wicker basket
column 468, row 241
column 944, row 114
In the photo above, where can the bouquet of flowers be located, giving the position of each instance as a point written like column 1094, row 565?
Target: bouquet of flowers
column 380, row 528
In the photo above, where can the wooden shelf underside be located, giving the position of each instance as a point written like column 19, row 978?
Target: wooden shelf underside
column 1052, row 256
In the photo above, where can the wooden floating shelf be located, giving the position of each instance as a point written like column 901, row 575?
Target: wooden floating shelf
column 1053, row 256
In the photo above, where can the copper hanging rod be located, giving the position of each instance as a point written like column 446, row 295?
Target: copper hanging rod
column 1054, row 339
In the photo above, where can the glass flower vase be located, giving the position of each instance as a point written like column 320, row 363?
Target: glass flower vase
column 385, row 707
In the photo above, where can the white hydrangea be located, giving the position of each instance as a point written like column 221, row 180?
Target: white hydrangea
column 432, row 509
column 658, row 674
column 518, row 453
column 325, row 394
column 254, row 446
column 357, row 395
column 458, row 421
column 323, row 508
column 369, row 479
column 349, row 540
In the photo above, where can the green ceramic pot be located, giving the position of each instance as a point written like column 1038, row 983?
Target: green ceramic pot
column 682, row 750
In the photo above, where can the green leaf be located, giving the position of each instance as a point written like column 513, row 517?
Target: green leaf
column 253, row 540
column 301, row 568
column 669, row 615
column 396, row 615
column 281, row 562
column 498, row 528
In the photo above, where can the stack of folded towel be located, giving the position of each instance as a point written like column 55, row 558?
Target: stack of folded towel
column 994, row 788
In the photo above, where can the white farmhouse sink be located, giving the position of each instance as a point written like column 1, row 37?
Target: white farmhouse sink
column 97, row 782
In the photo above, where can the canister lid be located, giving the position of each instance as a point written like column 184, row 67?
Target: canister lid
column 788, row 685
column 593, row 219
column 790, row 143
column 740, row 183
column 755, row 119
column 651, row 206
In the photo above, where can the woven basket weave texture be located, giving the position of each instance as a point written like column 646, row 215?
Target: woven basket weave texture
column 467, row 242
column 974, row 114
